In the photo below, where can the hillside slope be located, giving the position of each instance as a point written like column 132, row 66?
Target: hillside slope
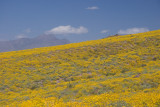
column 115, row 71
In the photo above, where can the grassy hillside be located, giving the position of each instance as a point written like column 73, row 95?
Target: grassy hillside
column 114, row 71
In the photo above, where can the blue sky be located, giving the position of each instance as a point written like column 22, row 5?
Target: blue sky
column 77, row 20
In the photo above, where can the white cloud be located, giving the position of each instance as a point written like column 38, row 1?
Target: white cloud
column 93, row 8
column 63, row 30
column 28, row 30
column 104, row 31
column 21, row 36
column 133, row 30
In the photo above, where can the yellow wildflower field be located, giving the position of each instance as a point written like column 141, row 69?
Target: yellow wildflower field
column 117, row 71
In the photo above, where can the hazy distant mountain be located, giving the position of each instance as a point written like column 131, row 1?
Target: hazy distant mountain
column 29, row 43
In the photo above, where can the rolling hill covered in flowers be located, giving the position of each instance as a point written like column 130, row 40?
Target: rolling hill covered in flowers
column 115, row 71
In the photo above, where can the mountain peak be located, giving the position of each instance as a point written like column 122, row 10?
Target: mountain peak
column 29, row 43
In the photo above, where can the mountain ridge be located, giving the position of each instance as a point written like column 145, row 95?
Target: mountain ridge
column 29, row 43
